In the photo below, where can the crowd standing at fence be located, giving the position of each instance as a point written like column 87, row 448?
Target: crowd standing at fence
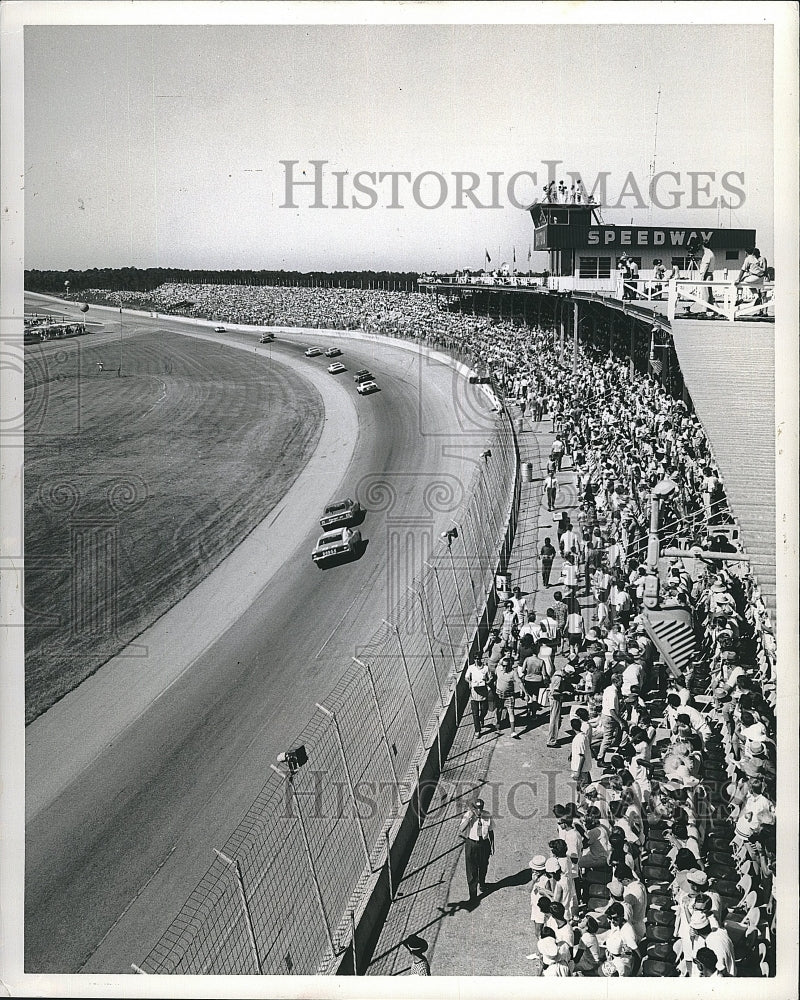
column 663, row 862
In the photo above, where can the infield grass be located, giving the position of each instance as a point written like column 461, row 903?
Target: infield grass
column 137, row 486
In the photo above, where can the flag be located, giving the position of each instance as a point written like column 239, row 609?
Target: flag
column 514, row 254
column 656, row 364
column 488, row 258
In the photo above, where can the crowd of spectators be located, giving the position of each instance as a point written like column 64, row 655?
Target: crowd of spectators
column 663, row 862
column 39, row 326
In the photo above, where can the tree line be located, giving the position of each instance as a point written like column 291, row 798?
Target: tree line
column 137, row 279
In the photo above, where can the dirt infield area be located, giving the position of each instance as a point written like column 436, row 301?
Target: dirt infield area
column 138, row 484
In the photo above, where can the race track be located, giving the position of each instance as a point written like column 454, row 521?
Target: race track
column 113, row 851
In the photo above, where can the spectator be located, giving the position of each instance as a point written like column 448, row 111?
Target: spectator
column 557, row 685
column 547, row 554
column 477, row 831
column 477, row 677
column 717, row 940
column 506, row 695
column 620, row 943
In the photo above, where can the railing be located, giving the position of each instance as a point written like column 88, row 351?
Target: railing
column 574, row 283
column 489, row 280
column 725, row 299
column 280, row 895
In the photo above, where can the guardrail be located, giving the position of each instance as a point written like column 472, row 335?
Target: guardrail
column 487, row 280
column 281, row 894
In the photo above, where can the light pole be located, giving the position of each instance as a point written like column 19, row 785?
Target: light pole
column 448, row 536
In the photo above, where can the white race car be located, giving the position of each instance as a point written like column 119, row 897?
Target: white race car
column 332, row 352
column 336, row 543
column 336, row 368
column 313, row 352
column 219, row 329
column 365, row 388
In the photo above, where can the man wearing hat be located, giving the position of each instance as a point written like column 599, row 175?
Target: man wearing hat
column 477, row 831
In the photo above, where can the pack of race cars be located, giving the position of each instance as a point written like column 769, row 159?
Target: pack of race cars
column 364, row 379
column 340, row 541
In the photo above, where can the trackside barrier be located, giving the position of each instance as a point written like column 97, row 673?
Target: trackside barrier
column 305, row 879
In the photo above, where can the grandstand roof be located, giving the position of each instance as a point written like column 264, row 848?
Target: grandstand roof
column 729, row 370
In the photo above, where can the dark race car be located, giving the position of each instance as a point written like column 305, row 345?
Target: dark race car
column 339, row 513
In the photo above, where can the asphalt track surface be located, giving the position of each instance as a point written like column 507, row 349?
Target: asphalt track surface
column 114, row 849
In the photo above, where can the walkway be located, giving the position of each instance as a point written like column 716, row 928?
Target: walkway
column 519, row 779
column 736, row 407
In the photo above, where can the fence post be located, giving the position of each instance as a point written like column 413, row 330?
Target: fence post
column 469, row 569
column 497, row 520
column 380, row 719
column 389, row 863
column 396, row 631
column 632, row 347
column 481, row 581
column 310, row 857
column 332, row 715
column 487, row 552
column 444, row 615
column 245, row 905
column 419, row 795
column 353, row 941
column 430, row 643
column 460, row 602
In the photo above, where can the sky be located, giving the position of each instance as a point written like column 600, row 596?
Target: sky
column 157, row 145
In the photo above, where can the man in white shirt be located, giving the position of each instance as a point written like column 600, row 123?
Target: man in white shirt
column 551, row 490
column 757, row 811
column 477, row 831
column 631, row 675
column 581, row 754
column 569, row 541
column 635, row 896
column 718, row 940
column 705, row 270
column 557, row 452
column 519, row 606
column 477, row 676
column 610, row 721
column 614, row 554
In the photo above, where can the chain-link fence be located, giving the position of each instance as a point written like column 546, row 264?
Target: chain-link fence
column 277, row 897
